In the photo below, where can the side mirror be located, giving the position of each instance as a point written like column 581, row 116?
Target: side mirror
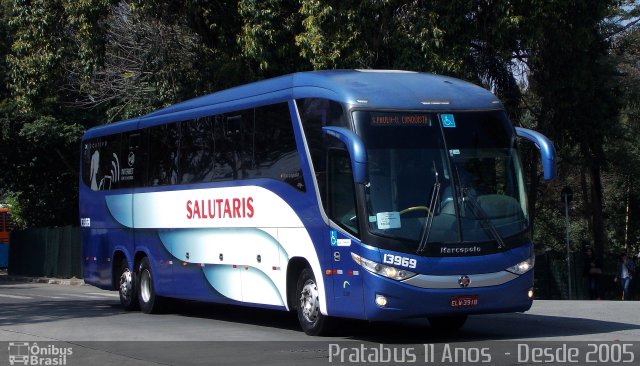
column 547, row 151
column 355, row 146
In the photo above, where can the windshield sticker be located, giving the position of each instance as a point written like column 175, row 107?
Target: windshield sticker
column 453, row 152
column 373, row 218
column 388, row 220
column 448, row 120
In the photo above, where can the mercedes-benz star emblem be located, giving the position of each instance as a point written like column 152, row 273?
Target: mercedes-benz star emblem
column 464, row 281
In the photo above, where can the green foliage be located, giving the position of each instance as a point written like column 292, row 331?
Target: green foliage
column 18, row 214
column 87, row 32
column 39, row 172
column 267, row 35
column 373, row 34
column 473, row 40
column 36, row 52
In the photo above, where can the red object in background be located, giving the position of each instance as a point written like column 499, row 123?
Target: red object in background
column 6, row 225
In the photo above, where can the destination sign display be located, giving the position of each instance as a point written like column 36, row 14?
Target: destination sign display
column 399, row 119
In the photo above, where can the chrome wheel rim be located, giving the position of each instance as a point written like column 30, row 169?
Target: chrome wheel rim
column 145, row 285
column 309, row 303
column 126, row 285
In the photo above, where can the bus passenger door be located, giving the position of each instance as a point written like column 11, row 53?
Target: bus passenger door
column 341, row 209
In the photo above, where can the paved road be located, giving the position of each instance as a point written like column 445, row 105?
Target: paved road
column 91, row 322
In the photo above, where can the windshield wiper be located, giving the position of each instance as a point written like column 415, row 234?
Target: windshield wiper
column 482, row 215
column 435, row 197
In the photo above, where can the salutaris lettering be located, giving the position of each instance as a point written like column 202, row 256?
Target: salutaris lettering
column 221, row 208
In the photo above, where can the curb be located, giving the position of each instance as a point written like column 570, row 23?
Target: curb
column 50, row 281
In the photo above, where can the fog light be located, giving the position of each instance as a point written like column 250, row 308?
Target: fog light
column 530, row 293
column 381, row 301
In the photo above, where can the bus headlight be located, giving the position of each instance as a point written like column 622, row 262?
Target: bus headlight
column 522, row 267
column 381, row 269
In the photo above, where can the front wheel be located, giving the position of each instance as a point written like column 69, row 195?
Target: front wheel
column 308, row 306
column 150, row 303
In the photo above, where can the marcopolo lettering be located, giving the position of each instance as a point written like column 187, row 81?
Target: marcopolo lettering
column 460, row 250
column 220, row 208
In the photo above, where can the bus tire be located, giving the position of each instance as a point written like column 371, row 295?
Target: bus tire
column 447, row 324
column 127, row 286
column 311, row 320
column 150, row 303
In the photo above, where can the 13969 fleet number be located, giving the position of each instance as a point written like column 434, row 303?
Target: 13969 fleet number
column 399, row 261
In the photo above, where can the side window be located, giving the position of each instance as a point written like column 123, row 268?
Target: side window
column 269, row 146
column 226, row 132
column 91, row 162
column 196, row 151
column 341, row 190
column 133, row 171
column 101, row 163
column 275, row 145
column 164, row 149
column 316, row 113
column 110, row 163
column 247, row 144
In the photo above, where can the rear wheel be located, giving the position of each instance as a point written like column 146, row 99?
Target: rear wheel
column 447, row 324
column 127, row 288
column 150, row 303
column 308, row 305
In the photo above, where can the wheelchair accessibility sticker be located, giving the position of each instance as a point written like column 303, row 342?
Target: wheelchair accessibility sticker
column 338, row 242
column 448, row 120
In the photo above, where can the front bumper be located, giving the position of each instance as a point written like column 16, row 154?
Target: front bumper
column 405, row 301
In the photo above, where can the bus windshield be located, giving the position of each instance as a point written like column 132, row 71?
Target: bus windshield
column 442, row 178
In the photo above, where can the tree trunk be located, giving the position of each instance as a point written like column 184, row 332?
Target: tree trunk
column 587, row 208
column 627, row 214
column 596, row 205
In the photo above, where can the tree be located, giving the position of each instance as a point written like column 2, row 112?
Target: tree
column 626, row 153
column 40, row 134
column 572, row 77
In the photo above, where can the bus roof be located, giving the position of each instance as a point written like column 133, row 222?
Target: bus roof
column 380, row 89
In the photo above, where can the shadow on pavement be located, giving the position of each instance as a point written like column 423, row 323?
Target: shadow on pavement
column 34, row 312
column 477, row 328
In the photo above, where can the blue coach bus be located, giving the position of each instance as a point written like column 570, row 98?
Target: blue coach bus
column 377, row 195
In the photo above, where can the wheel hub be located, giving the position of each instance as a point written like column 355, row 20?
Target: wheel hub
column 309, row 301
column 145, row 285
column 126, row 284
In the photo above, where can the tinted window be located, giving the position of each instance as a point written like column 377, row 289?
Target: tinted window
column 229, row 137
column 102, row 163
column 133, row 172
column 91, row 162
column 271, row 144
column 342, row 197
column 164, row 154
column 197, row 151
column 252, row 143
column 316, row 113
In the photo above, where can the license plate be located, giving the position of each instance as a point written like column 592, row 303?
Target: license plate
column 464, row 301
